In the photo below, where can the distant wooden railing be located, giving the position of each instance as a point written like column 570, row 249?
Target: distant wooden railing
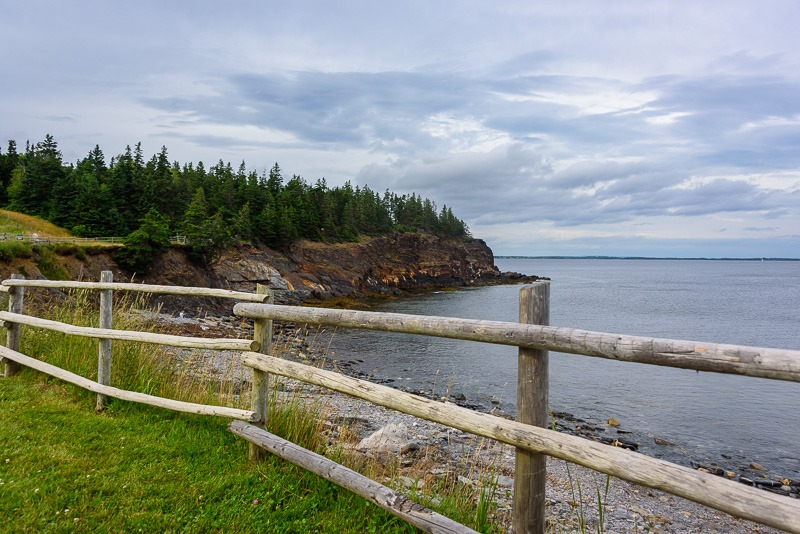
column 530, row 437
column 35, row 238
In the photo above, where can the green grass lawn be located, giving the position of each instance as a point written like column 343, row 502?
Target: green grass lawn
column 133, row 468
column 64, row 468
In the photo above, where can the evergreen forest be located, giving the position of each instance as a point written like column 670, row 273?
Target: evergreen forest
column 214, row 207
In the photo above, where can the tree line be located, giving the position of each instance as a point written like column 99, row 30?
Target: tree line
column 215, row 207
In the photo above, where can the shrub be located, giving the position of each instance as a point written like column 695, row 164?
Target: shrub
column 49, row 265
column 64, row 249
column 142, row 245
column 14, row 249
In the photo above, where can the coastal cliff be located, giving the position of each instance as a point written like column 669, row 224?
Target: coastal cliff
column 383, row 265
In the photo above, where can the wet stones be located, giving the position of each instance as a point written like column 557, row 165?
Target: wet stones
column 608, row 433
column 784, row 486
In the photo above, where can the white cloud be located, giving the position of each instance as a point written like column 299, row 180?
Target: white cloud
column 667, row 118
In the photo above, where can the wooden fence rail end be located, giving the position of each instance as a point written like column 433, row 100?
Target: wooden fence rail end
column 132, row 396
column 707, row 489
column 386, row 498
column 130, row 335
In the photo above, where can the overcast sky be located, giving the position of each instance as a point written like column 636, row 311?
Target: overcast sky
column 577, row 128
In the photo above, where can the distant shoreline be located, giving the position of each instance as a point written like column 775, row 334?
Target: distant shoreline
column 636, row 258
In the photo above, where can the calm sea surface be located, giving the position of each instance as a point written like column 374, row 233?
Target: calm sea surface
column 709, row 417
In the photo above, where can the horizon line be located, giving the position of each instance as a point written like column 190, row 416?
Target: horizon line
column 607, row 257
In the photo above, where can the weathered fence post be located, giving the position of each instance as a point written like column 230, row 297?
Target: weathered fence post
column 532, row 384
column 15, row 297
column 104, row 350
column 262, row 332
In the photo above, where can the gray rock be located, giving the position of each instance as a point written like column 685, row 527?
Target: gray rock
column 392, row 438
column 242, row 273
column 408, row 482
column 505, row 481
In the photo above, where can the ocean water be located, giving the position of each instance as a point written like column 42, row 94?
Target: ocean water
column 729, row 420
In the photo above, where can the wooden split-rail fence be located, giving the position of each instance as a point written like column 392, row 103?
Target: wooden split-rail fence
column 528, row 434
column 72, row 240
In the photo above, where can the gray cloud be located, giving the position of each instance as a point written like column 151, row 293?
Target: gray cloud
column 761, row 229
column 60, row 118
column 579, row 119
column 336, row 108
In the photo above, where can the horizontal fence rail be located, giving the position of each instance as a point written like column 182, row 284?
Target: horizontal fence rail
column 141, row 288
column 130, row 335
column 143, row 398
column 771, row 363
column 388, row 499
column 704, row 488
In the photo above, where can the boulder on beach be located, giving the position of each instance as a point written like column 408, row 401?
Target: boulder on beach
column 392, row 438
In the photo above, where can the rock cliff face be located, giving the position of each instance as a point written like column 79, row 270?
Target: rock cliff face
column 388, row 264
column 381, row 265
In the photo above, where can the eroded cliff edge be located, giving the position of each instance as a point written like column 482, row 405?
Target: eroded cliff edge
column 374, row 266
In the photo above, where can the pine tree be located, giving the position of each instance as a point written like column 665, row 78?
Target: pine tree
column 206, row 235
column 90, row 216
column 66, row 191
column 145, row 243
column 195, row 220
column 122, row 193
column 242, row 225
column 275, row 181
column 266, row 224
column 8, row 162
column 31, row 190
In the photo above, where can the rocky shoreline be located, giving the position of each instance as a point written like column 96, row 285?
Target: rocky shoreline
column 473, row 461
column 571, row 494
column 611, row 432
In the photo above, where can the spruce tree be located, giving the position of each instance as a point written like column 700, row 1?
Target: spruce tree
column 145, row 243
column 195, row 221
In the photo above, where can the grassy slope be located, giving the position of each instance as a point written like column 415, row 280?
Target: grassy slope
column 17, row 223
column 65, row 468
